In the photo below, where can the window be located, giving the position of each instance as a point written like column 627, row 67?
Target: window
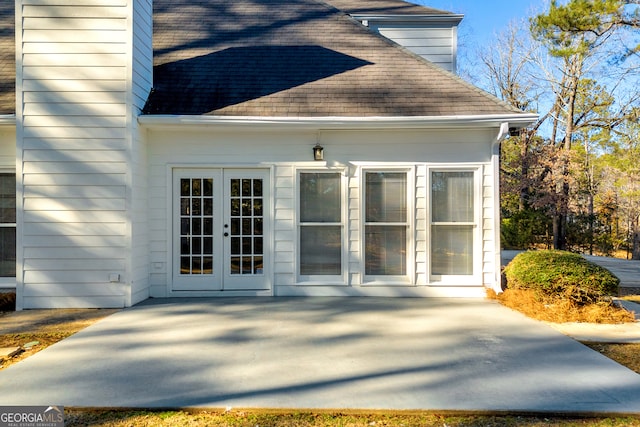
column 386, row 223
column 320, row 223
column 7, row 225
column 452, row 222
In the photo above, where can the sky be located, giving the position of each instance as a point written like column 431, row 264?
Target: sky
column 484, row 18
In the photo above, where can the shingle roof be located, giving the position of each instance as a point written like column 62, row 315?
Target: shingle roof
column 296, row 58
column 7, row 58
column 291, row 58
column 387, row 7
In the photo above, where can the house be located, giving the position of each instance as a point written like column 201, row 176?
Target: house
column 254, row 147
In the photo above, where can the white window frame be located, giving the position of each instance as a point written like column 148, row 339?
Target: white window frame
column 10, row 281
column 322, row 279
column 390, row 280
column 475, row 278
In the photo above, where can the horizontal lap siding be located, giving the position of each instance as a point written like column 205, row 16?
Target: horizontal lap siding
column 141, row 79
column 75, row 152
column 488, row 229
column 286, row 152
column 434, row 43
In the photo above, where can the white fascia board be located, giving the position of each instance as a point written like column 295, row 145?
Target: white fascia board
column 7, row 120
column 516, row 121
column 452, row 18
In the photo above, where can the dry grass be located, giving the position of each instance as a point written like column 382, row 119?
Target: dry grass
column 560, row 310
column 266, row 418
column 632, row 298
column 625, row 354
column 46, row 327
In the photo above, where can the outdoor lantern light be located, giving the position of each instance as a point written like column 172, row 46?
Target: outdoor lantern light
column 318, row 152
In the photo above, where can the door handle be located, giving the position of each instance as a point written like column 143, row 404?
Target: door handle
column 226, row 234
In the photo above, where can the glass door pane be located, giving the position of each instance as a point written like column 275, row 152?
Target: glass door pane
column 196, row 226
column 246, row 226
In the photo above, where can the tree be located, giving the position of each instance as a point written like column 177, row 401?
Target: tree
column 578, row 37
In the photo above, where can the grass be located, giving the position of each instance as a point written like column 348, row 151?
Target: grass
column 625, row 354
column 632, row 298
column 267, row 418
column 44, row 340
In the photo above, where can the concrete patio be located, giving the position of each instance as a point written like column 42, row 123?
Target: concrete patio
column 357, row 353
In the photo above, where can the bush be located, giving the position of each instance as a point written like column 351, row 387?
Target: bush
column 7, row 301
column 561, row 275
column 523, row 230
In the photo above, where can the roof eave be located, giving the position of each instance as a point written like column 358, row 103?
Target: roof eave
column 515, row 121
column 453, row 18
column 7, row 120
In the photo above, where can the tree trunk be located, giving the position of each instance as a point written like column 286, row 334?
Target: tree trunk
column 635, row 254
column 524, row 179
column 559, row 232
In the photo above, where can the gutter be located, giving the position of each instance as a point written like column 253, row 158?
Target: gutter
column 450, row 17
column 514, row 121
column 505, row 130
column 7, row 120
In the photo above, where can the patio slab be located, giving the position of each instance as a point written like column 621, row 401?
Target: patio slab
column 324, row 353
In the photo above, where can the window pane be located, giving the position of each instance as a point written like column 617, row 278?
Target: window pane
column 8, row 252
column 7, row 198
column 320, row 250
column 385, row 250
column 452, row 249
column 386, row 197
column 320, row 197
column 452, row 196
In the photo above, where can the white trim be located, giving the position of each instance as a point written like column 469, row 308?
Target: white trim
column 441, row 17
column 188, row 169
column 7, row 120
column 515, row 120
column 19, row 123
column 497, row 221
column 474, row 279
column 329, row 280
column 409, row 278
column 7, row 282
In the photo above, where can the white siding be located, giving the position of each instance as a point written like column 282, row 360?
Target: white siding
column 435, row 42
column 286, row 152
column 76, row 151
column 142, row 80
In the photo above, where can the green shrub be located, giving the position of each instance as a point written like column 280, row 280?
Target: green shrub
column 523, row 230
column 559, row 274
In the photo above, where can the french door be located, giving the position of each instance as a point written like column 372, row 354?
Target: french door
column 220, row 229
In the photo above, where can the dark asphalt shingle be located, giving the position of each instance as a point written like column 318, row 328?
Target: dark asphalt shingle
column 282, row 58
column 296, row 58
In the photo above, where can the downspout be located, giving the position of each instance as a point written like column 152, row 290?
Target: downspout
column 495, row 165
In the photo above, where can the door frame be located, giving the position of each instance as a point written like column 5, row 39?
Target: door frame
column 172, row 244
